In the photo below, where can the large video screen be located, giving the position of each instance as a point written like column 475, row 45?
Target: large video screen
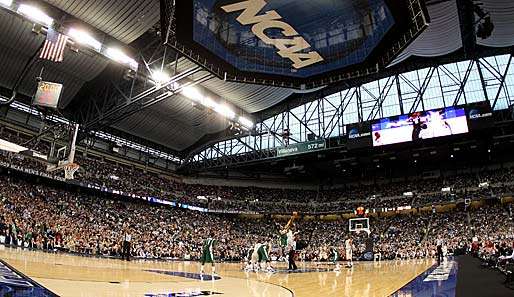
column 420, row 125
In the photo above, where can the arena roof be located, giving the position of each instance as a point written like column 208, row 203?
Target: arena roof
column 443, row 36
column 180, row 125
column 18, row 43
column 174, row 123
column 124, row 20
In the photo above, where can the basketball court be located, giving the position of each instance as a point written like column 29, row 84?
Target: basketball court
column 68, row 275
column 253, row 110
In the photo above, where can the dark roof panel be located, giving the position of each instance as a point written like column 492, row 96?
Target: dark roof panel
column 124, row 20
column 18, row 43
column 174, row 123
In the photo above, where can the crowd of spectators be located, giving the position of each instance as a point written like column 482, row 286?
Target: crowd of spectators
column 103, row 172
column 41, row 216
column 47, row 218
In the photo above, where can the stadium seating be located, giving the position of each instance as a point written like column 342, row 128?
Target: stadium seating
column 42, row 216
column 106, row 173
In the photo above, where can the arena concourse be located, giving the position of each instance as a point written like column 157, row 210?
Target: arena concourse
column 256, row 148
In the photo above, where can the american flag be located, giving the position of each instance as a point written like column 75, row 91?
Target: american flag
column 54, row 46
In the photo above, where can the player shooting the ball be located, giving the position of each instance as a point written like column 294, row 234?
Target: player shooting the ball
column 286, row 237
column 286, row 234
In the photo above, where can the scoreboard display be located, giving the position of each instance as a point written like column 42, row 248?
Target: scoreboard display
column 47, row 94
column 480, row 115
column 359, row 135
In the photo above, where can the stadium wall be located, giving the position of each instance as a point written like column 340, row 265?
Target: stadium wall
column 238, row 181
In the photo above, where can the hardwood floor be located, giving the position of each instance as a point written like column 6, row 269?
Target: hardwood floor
column 68, row 275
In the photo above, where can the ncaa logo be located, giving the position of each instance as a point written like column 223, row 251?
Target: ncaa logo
column 291, row 45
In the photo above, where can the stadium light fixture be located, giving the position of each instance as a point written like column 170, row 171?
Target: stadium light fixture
column 207, row 101
column 225, row 111
column 246, row 122
column 35, row 14
column 160, row 76
column 174, row 86
column 85, row 39
column 120, row 57
column 6, row 3
column 192, row 93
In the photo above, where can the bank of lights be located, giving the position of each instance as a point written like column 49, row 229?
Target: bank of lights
column 209, row 102
column 120, row 57
column 246, row 122
column 38, row 16
column 35, row 14
column 84, row 38
column 195, row 95
column 225, row 111
column 6, row 3
column 160, row 77
column 192, row 93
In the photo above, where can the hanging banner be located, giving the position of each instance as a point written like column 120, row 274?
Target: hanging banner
column 303, row 44
column 301, row 148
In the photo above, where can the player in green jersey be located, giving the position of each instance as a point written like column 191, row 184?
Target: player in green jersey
column 334, row 256
column 207, row 253
column 260, row 254
column 286, row 235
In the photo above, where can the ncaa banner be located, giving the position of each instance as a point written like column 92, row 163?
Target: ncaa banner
column 291, row 43
column 289, row 37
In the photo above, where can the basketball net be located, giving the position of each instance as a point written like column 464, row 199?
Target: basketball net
column 69, row 170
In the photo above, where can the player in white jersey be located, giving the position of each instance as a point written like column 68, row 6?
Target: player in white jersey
column 247, row 260
column 286, row 239
column 322, row 256
column 260, row 254
column 348, row 249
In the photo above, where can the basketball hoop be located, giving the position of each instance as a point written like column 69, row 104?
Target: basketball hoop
column 359, row 224
column 69, row 170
